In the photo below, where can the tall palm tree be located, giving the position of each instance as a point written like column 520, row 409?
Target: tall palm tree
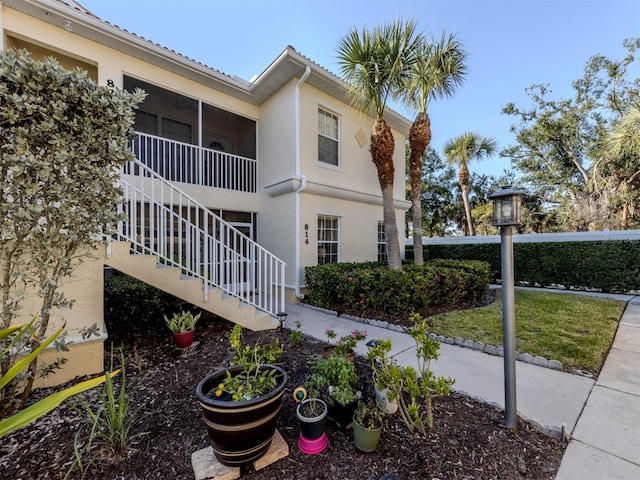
column 459, row 151
column 373, row 63
column 440, row 68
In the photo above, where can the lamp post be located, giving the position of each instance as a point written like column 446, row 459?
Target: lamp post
column 282, row 317
column 506, row 214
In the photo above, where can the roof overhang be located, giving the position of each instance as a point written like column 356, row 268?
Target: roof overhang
column 68, row 14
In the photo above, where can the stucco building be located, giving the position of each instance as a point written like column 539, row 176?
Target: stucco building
column 241, row 184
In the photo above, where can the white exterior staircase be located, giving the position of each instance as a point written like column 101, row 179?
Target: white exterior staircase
column 173, row 243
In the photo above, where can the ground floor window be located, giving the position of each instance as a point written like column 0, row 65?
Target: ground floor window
column 382, row 242
column 328, row 239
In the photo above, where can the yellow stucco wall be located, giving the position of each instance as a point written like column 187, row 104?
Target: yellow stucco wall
column 85, row 287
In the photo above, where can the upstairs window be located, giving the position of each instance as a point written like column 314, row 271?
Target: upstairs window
column 328, row 137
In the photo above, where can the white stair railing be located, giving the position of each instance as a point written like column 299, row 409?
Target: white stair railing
column 162, row 220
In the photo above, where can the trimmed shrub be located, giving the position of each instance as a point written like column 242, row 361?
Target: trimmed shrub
column 370, row 287
column 130, row 304
column 610, row 266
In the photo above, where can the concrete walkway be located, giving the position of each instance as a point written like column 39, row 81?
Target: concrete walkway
column 605, row 433
column 606, row 441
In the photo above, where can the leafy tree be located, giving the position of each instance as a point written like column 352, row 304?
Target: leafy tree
column 437, row 195
column 63, row 140
column 440, row 68
column 460, row 151
column 374, row 63
column 559, row 147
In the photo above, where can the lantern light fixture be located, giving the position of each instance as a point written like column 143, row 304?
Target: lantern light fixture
column 282, row 317
column 507, row 206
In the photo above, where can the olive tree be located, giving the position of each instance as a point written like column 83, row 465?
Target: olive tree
column 63, row 141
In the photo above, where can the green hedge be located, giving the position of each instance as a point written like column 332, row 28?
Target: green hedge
column 130, row 304
column 610, row 266
column 358, row 288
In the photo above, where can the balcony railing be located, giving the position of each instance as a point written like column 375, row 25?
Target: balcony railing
column 186, row 163
column 159, row 219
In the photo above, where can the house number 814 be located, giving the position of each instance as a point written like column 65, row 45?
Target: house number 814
column 306, row 234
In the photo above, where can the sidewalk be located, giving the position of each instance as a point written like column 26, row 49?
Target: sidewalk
column 606, row 435
column 606, row 440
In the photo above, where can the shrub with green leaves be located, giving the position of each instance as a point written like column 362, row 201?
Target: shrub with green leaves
column 132, row 304
column 358, row 288
column 413, row 388
column 63, row 140
column 608, row 265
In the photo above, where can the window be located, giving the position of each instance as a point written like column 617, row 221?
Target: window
column 328, row 239
column 176, row 130
column 146, row 122
column 327, row 137
column 382, row 243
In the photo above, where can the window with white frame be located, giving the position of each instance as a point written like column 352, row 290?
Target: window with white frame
column 328, row 137
column 382, row 242
column 328, row 239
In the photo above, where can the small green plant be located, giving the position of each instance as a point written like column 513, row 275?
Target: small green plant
column 369, row 415
column 295, row 336
column 30, row 414
column 253, row 380
column 312, row 408
column 336, row 377
column 182, row 322
column 110, row 424
column 414, row 389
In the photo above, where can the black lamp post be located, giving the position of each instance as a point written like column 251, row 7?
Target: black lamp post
column 506, row 214
column 282, row 317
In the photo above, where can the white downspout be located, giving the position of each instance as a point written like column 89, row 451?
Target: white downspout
column 299, row 176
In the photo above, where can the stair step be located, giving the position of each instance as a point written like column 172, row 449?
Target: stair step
column 172, row 280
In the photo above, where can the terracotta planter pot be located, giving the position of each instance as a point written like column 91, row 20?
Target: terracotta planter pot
column 240, row 432
column 184, row 339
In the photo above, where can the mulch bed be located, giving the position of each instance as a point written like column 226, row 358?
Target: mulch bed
column 468, row 440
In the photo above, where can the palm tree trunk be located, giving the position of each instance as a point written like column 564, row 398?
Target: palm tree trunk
column 467, row 209
column 419, row 138
column 382, row 145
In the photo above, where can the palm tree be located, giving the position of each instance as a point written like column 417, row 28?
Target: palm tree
column 438, row 71
column 622, row 161
column 459, row 151
column 373, row 63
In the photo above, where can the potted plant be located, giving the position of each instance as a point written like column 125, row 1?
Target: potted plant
column 337, row 383
column 241, row 403
column 413, row 389
column 345, row 345
column 183, row 327
column 312, row 413
column 368, row 420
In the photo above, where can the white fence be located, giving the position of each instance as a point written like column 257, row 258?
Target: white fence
column 534, row 238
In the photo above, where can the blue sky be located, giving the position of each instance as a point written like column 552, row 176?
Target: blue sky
column 511, row 44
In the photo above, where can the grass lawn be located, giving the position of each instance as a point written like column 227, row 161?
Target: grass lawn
column 576, row 330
